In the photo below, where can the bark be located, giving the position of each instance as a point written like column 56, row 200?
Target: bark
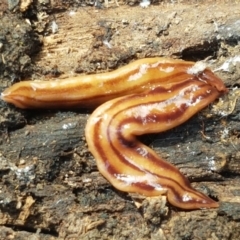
column 50, row 185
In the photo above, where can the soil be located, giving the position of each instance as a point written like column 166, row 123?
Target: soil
column 50, row 187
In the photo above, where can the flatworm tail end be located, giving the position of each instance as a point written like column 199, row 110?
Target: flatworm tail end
column 133, row 167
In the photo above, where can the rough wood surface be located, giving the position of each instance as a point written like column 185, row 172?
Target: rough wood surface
column 50, row 187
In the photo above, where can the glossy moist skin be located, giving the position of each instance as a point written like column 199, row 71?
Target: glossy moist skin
column 157, row 94
column 92, row 90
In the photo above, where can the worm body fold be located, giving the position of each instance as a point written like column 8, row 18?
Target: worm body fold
column 147, row 96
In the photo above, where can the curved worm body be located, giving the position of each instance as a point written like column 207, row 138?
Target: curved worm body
column 157, row 94
column 130, row 165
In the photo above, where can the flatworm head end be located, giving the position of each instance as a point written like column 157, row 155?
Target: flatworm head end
column 17, row 95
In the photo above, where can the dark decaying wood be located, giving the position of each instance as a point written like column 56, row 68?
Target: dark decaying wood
column 50, row 187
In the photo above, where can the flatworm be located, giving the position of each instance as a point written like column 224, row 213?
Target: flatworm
column 147, row 96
